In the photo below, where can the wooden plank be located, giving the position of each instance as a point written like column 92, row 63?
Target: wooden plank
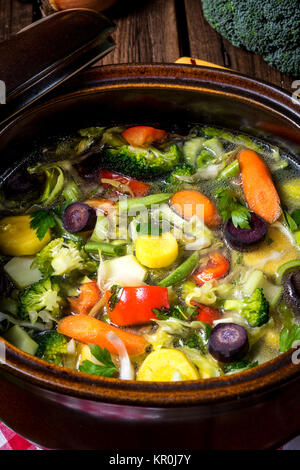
column 5, row 18
column 14, row 16
column 146, row 32
column 207, row 44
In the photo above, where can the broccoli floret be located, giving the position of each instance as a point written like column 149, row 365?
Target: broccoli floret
column 142, row 163
column 42, row 295
column 62, row 257
column 272, row 30
column 53, row 347
column 254, row 309
column 174, row 182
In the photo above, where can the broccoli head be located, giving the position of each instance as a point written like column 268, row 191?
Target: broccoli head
column 174, row 182
column 62, row 257
column 255, row 309
column 142, row 163
column 272, row 30
column 42, row 295
column 52, row 347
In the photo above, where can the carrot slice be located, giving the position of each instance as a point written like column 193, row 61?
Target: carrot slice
column 191, row 202
column 143, row 136
column 87, row 329
column 89, row 296
column 259, row 189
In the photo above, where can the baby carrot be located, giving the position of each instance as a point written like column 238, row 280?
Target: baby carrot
column 259, row 189
column 89, row 296
column 88, row 329
column 143, row 136
column 191, row 202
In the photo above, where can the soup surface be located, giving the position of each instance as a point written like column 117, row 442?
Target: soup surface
column 141, row 254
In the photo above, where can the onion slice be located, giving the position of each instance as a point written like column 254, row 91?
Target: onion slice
column 126, row 368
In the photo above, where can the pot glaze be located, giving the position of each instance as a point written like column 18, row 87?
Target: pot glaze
column 62, row 409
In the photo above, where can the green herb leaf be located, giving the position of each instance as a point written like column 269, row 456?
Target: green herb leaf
column 288, row 337
column 116, row 292
column 296, row 216
column 41, row 221
column 290, row 222
column 106, row 369
column 95, row 369
column 239, row 366
column 230, row 206
column 177, row 311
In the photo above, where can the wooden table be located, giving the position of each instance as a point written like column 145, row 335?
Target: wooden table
column 158, row 31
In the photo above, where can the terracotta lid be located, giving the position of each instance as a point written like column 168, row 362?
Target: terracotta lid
column 46, row 53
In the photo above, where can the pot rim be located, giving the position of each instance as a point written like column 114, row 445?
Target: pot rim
column 265, row 377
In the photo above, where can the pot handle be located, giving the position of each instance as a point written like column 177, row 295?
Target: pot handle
column 45, row 54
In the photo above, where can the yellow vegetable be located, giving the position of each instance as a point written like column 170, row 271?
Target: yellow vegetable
column 156, row 251
column 275, row 250
column 289, row 192
column 167, row 365
column 18, row 239
column 272, row 338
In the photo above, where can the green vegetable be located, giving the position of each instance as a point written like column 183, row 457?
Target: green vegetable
column 113, row 137
column 43, row 295
column 255, row 309
column 41, row 221
column 289, row 192
column 174, row 181
column 63, row 232
column 94, row 132
column 239, row 366
column 22, row 273
column 101, row 230
column 201, row 152
column 286, row 315
column 284, row 268
column 142, row 163
column 230, row 171
column 296, row 216
column 19, row 338
column 54, row 182
column 71, row 192
column 192, row 148
column 256, row 280
column 52, row 347
column 230, row 206
column 290, row 222
column 102, row 355
column 288, row 337
column 181, row 312
column 62, row 257
column 116, row 292
column 140, row 203
column 240, row 21
column 106, row 248
column 180, row 273
column 241, row 140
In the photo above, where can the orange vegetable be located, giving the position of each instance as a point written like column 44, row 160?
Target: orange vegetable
column 259, row 189
column 188, row 203
column 89, row 296
column 216, row 267
column 105, row 205
column 143, row 136
column 87, row 329
column 139, row 188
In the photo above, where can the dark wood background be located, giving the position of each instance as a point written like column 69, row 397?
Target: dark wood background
column 157, row 31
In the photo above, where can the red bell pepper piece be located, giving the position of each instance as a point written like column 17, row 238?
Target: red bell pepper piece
column 138, row 188
column 143, row 136
column 135, row 304
column 216, row 267
column 206, row 314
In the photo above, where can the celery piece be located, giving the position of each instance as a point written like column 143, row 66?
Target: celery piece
column 230, row 171
column 140, row 203
column 19, row 338
column 71, row 192
column 284, row 268
column 20, row 271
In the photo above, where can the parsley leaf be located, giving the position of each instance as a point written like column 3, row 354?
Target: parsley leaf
column 288, row 337
column 177, row 311
column 116, row 292
column 290, row 222
column 230, row 206
column 296, row 216
column 239, row 366
column 102, row 355
column 41, row 221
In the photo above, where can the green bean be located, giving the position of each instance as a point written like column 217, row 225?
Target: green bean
column 182, row 271
column 284, row 268
column 106, row 248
